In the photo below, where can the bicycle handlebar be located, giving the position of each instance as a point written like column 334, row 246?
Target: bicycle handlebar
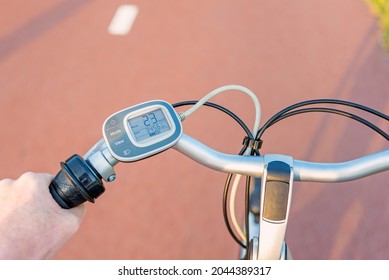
column 266, row 216
column 281, row 171
column 80, row 178
column 303, row 170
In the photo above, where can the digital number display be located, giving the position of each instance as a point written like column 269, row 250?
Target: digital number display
column 149, row 125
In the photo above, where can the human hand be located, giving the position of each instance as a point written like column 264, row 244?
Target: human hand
column 32, row 224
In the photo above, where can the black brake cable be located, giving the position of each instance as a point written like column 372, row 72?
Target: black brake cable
column 247, row 212
column 283, row 114
column 315, row 102
column 220, row 108
column 333, row 111
column 229, row 176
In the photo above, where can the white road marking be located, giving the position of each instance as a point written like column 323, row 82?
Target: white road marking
column 123, row 20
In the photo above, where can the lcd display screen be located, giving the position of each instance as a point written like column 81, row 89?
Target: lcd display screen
column 149, row 125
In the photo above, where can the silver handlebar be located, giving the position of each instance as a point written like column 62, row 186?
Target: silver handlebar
column 254, row 166
column 303, row 170
column 272, row 234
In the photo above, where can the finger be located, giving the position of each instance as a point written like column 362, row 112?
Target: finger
column 6, row 182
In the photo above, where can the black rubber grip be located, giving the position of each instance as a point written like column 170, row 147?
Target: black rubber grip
column 76, row 183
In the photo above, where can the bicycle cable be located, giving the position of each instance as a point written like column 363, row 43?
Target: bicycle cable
column 247, row 150
column 333, row 111
column 224, row 89
column 229, row 176
column 287, row 112
column 292, row 111
column 291, row 108
column 220, row 108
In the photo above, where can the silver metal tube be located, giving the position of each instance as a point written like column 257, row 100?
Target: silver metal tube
column 245, row 165
column 303, row 170
column 341, row 172
column 102, row 161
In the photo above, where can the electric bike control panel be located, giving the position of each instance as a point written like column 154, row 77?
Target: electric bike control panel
column 142, row 130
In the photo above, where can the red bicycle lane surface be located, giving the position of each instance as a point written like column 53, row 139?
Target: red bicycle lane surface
column 62, row 74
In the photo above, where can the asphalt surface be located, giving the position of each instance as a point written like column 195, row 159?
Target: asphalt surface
column 62, row 74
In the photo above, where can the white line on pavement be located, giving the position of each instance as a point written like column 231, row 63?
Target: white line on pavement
column 123, row 20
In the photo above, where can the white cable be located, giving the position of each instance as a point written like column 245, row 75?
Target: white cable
column 224, row 89
column 257, row 122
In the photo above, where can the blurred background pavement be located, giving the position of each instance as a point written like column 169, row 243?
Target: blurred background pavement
column 62, row 73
